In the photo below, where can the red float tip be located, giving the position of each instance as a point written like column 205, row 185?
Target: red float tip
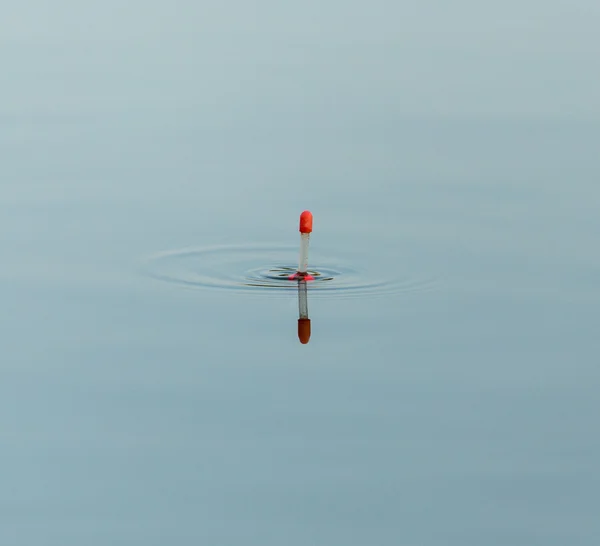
column 306, row 221
column 304, row 330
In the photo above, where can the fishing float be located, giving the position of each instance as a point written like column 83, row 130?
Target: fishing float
column 302, row 276
column 306, row 225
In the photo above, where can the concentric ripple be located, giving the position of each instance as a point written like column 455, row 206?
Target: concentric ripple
column 260, row 269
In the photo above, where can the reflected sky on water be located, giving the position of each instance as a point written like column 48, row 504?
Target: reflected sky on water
column 448, row 393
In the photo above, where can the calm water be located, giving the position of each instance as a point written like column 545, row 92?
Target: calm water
column 154, row 157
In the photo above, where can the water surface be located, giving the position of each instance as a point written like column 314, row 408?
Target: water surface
column 449, row 153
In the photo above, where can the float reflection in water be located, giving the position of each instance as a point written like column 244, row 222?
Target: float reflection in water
column 303, row 320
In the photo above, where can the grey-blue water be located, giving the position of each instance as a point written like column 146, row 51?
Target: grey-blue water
column 449, row 391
